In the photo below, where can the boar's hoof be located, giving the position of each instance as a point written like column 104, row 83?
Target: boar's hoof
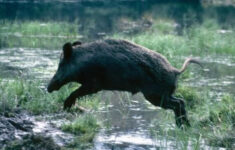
column 69, row 103
column 182, row 122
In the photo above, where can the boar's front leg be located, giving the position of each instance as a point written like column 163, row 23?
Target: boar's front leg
column 81, row 91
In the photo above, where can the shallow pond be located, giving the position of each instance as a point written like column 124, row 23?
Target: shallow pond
column 127, row 118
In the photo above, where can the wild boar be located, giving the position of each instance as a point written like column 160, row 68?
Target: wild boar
column 120, row 65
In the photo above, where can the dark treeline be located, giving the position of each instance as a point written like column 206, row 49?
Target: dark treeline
column 62, row 11
column 102, row 16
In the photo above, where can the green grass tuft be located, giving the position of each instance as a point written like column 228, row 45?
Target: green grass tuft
column 84, row 127
column 83, row 124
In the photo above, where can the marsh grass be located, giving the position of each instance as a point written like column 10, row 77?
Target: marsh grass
column 77, row 126
column 30, row 96
column 34, row 34
column 198, row 40
column 212, row 122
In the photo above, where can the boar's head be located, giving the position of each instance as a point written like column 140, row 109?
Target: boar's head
column 63, row 74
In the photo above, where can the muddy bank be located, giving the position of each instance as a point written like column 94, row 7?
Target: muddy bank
column 19, row 130
column 14, row 125
column 31, row 142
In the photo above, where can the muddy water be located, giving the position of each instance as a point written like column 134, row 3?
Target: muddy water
column 28, row 63
column 128, row 120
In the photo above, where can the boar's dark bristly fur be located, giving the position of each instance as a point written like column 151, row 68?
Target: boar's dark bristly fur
column 123, row 66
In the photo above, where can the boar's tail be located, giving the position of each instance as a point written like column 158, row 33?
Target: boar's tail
column 186, row 63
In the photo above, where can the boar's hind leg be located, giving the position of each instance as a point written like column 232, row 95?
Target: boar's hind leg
column 178, row 106
column 81, row 91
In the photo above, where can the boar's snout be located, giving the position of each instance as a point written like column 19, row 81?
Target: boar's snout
column 53, row 86
column 49, row 88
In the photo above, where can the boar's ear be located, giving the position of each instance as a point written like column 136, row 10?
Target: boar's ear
column 77, row 43
column 67, row 49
